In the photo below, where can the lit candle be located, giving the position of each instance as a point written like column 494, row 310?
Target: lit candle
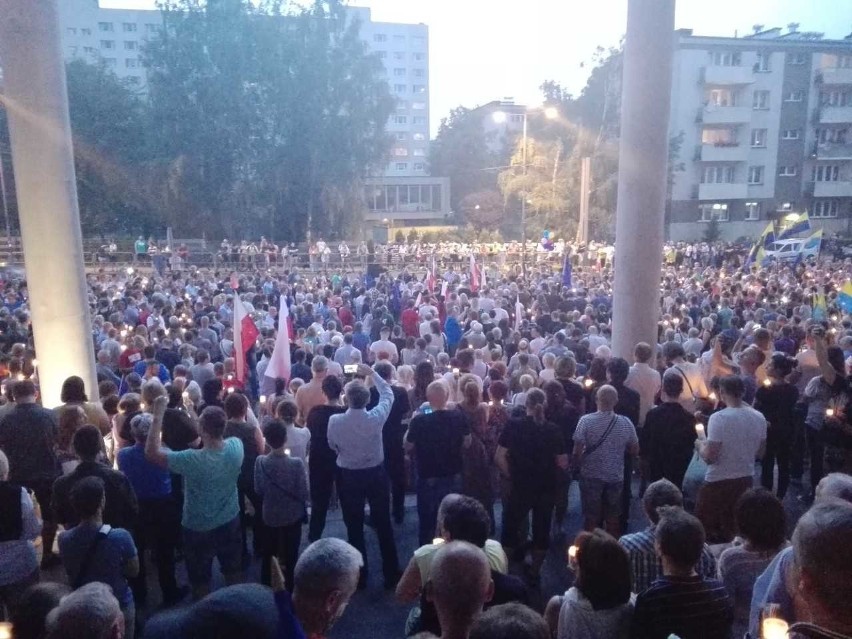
column 767, row 382
column 491, row 403
column 230, row 390
column 699, row 430
column 5, row 630
column 784, row 300
column 572, row 552
column 185, row 394
column 142, row 406
column 588, row 383
column 713, row 396
column 437, row 541
column 774, row 628
column 455, row 371
column 286, row 451
column 130, row 270
column 829, row 412
column 123, row 348
column 263, row 399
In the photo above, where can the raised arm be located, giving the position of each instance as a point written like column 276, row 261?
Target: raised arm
column 825, row 368
column 154, row 451
column 381, row 410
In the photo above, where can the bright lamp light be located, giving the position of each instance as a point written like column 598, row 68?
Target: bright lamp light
column 499, row 117
column 551, row 113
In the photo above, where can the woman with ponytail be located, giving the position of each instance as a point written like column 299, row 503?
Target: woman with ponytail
column 530, row 451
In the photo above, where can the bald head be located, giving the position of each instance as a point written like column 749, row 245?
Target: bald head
column 459, row 584
column 607, row 398
column 835, row 486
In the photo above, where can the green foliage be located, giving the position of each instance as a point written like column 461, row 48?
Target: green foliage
column 483, row 210
column 413, row 236
column 712, row 232
column 399, row 236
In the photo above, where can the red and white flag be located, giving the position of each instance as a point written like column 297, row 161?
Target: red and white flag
column 432, row 277
column 475, row 275
column 279, row 363
column 444, row 286
column 519, row 311
column 245, row 334
column 419, row 300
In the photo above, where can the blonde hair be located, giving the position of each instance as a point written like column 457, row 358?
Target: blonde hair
column 535, row 402
column 526, row 382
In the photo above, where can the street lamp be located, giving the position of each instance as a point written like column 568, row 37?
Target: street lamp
column 499, row 117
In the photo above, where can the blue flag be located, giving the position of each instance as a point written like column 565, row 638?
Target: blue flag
column 801, row 225
column 566, row 272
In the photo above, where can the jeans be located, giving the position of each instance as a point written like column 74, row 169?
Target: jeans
column 281, row 542
column 369, row 485
column 778, row 448
column 158, row 530
column 200, row 547
column 816, row 447
column 430, row 492
column 322, row 478
column 520, row 504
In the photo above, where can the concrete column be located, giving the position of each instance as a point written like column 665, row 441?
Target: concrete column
column 643, row 156
column 36, row 102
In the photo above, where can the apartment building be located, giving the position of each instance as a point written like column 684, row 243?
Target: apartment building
column 116, row 37
column 766, row 125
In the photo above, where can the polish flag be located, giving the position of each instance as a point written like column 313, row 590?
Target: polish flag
column 475, row 275
column 279, row 363
column 519, row 311
column 245, row 334
column 432, row 277
column 444, row 286
column 419, row 300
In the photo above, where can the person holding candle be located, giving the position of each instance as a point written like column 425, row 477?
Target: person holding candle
column 777, row 402
column 736, row 436
column 669, row 434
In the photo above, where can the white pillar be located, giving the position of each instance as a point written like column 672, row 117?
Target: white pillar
column 643, row 156
column 36, row 102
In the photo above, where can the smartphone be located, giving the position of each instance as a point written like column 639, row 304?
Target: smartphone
column 350, row 369
column 427, row 410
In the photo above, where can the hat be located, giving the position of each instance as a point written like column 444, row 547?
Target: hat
column 245, row 610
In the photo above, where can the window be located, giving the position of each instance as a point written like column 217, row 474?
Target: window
column 418, row 88
column 399, row 88
column 129, row 27
column 110, row 62
column 382, row 54
column 399, row 151
column 790, row 134
column 788, row 171
column 721, row 98
column 152, row 28
column 107, row 44
column 380, row 37
column 105, row 26
column 399, row 55
column 715, row 211
column 844, row 62
column 85, row 31
column 786, row 206
column 794, row 96
column 72, row 31
column 399, row 72
column 401, row 137
column 419, row 166
column 719, row 136
column 89, row 50
column 516, row 118
column 130, row 45
column 826, row 173
column 835, row 98
column 831, row 136
column 418, row 73
column 418, row 137
column 762, row 65
column 401, row 105
column 131, row 63
column 418, row 106
column 398, row 38
column 718, row 174
column 420, row 153
column 402, row 166
column 418, row 56
column 758, row 137
column 726, row 59
column 418, row 119
column 752, row 211
column 755, row 175
column 797, row 59
column 399, row 119
column 761, row 100
column 826, row 208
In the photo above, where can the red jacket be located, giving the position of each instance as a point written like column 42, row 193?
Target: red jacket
column 411, row 322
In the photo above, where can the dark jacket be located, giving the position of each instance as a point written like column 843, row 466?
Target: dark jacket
column 121, row 505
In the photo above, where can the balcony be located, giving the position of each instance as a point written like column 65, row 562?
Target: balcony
column 725, row 115
column 833, row 151
column 722, row 76
column 729, row 152
column 835, row 75
column 730, row 191
column 835, row 114
column 832, row 189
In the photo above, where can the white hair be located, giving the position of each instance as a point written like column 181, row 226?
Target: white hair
column 90, row 612
column 325, row 566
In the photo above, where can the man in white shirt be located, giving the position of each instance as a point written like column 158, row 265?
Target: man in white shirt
column 343, row 355
column 425, row 327
column 694, row 345
column 595, row 339
column 537, row 342
column 500, row 313
column 383, row 348
column 694, row 386
column 427, row 309
column 643, row 379
column 736, row 437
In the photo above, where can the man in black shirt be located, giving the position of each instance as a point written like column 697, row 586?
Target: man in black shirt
column 669, row 434
column 438, row 436
column 392, row 434
column 121, row 506
column 681, row 602
column 322, row 466
column 28, row 437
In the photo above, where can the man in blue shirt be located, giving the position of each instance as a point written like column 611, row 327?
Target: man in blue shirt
column 158, row 522
column 211, row 523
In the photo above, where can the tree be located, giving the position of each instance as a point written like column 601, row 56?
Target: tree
column 712, row 232
column 461, row 151
column 484, row 210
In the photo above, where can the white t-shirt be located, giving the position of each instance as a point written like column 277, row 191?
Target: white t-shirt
column 297, row 442
column 741, row 431
column 383, row 345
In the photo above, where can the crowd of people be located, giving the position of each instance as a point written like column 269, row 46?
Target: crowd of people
column 491, row 399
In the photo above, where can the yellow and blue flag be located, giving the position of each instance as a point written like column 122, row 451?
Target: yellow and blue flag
column 756, row 254
column 844, row 299
column 820, row 311
column 799, row 226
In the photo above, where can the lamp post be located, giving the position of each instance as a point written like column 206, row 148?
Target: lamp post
column 551, row 113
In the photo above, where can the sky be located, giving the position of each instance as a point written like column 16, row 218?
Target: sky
column 484, row 50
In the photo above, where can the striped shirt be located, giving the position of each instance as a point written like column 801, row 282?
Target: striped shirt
column 689, row 607
column 645, row 566
column 606, row 462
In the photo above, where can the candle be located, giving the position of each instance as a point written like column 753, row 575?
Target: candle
column 230, row 390
column 767, row 382
column 455, row 371
column 438, row 541
column 572, row 552
column 829, row 412
column 286, row 451
column 263, row 399
column 130, row 270
column 5, row 630
column 713, row 396
column 185, row 394
column 774, row 628
column 588, row 383
column 699, row 430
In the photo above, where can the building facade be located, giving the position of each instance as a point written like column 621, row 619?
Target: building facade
column 116, row 37
column 766, row 131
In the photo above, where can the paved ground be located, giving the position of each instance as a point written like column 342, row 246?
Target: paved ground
column 373, row 613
